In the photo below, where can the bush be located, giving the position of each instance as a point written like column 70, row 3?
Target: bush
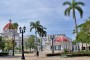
column 55, row 54
column 3, row 53
column 65, row 51
column 77, row 54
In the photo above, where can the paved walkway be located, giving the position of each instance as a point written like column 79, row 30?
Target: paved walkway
column 41, row 57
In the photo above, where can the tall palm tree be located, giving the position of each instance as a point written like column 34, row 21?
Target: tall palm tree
column 42, row 33
column 15, row 27
column 37, row 27
column 74, row 6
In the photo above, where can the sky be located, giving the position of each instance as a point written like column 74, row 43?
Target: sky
column 50, row 13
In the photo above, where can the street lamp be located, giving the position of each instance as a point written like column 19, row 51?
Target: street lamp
column 52, row 37
column 22, row 30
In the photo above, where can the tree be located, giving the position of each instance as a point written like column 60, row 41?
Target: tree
column 38, row 28
column 42, row 33
column 84, row 32
column 15, row 27
column 74, row 6
column 2, row 44
column 8, row 45
column 30, row 42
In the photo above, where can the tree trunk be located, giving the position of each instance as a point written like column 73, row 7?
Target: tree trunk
column 82, row 46
column 86, row 46
column 76, row 29
column 30, row 49
column 41, row 44
column 52, row 47
column 13, row 46
column 37, row 53
column 26, row 46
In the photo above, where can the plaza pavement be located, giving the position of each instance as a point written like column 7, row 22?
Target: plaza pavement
column 41, row 57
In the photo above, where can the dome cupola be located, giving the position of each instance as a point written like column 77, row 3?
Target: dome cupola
column 8, row 26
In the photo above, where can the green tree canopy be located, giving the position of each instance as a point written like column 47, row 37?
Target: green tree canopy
column 30, row 41
column 2, row 43
column 84, row 32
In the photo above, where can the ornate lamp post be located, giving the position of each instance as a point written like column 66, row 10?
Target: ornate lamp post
column 22, row 30
column 52, row 37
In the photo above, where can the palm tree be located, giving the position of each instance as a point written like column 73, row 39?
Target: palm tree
column 74, row 6
column 42, row 33
column 15, row 27
column 38, row 28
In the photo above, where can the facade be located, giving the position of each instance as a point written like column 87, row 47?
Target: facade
column 10, row 33
column 85, row 46
column 60, row 42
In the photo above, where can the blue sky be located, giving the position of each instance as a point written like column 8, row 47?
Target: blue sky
column 49, row 12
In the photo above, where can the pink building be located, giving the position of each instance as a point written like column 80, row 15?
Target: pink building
column 62, row 42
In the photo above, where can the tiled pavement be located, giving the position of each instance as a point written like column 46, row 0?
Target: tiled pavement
column 41, row 57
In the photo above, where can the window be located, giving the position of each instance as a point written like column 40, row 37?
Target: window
column 59, row 47
column 55, row 48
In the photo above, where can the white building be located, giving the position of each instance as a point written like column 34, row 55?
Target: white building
column 60, row 42
column 10, row 33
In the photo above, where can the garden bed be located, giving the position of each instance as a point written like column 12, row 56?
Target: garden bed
column 55, row 54
column 77, row 55
column 3, row 53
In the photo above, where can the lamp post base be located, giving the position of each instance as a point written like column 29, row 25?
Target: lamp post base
column 23, row 58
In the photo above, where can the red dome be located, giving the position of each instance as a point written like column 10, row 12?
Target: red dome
column 61, row 39
column 7, row 26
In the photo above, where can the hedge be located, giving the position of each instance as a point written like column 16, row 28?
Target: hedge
column 3, row 53
column 55, row 54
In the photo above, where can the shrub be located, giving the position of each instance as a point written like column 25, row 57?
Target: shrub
column 55, row 54
column 65, row 51
column 3, row 53
column 76, row 54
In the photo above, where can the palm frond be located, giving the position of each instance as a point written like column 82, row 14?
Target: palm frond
column 31, row 29
column 67, row 3
column 80, row 3
column 38, row 22
column 67, row 11
column 44, row 28
column 80, row 10
column 15, row 25
column 32, row 23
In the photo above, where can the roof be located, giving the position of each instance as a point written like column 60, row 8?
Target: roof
column 8, row 26
column 61, row 39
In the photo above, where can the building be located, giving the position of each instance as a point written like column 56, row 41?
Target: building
column 10, row 33
column 60, row 42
